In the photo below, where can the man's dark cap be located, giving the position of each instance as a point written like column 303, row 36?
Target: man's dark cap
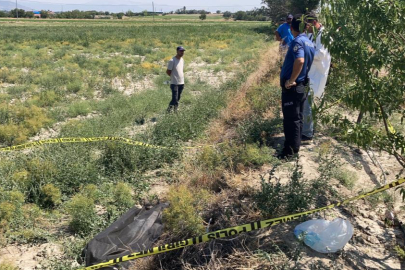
column 311, row 16
column 181, row 48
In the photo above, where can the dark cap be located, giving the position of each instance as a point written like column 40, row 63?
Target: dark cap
column 311, row 16
column 181, row 48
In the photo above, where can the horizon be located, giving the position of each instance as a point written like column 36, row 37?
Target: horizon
column 134, row 6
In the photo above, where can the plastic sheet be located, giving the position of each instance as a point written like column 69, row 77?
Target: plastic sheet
column 135, row 231
column 325, row 236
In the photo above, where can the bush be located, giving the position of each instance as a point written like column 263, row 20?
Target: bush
column 258, row 130
column 47, row 98
column 74, row 87
column 210, row 158
column 91, row 191
column 40, row 173
column 203, row 16
column 79, row 108
column 7, row 210
column 183, row 217
column 51, row 196
column 400, row 252
column 234, row 156
column 21, row 179
column 10, row 205
column 346, row 177
column 256, row 156
column 276, row 199
column 123, row 196
column 82, row 211
column 227, row 14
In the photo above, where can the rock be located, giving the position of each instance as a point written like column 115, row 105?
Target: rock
column 380, row 223
column 373, row 216
column 373, row 240
column 360, row 239
column 362, row 225
column 74, row 265
column 364, row 214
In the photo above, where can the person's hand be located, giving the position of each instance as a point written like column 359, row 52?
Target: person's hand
column 289, row 84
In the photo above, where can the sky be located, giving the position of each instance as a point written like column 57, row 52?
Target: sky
column 140, row 5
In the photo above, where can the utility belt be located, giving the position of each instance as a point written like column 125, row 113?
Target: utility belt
column 301, row 86
column 304, row 82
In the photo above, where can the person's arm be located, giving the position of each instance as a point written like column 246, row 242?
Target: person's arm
column 278, row 37
column 169, row 68
column 298, row 65
column 299, row 56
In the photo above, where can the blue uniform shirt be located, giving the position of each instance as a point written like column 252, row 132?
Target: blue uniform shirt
column 300, row 47
column 285, row 33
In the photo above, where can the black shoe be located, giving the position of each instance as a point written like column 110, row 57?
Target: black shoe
column 286, row 156
column 306, row 138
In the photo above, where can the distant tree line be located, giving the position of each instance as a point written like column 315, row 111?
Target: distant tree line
column 73, row 14
column 184, row 10
column 257, row 14
column 13, row 14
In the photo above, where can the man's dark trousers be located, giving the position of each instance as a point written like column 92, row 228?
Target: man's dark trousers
column 292, row 106
column 176, row 95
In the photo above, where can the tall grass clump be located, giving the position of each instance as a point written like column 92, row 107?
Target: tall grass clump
column 184, row 217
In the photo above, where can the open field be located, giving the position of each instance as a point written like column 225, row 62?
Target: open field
column 57, row 73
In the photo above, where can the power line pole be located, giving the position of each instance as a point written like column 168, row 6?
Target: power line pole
column 16, row 8
column 153, row 10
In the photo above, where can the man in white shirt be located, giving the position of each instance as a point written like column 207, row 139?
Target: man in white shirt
column 318, row 74
column 175, row 70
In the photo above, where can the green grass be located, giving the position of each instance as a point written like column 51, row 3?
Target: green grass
column 59, row 65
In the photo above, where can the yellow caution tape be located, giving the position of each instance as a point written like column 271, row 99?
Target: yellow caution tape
column 234, row 230
column 85, row 140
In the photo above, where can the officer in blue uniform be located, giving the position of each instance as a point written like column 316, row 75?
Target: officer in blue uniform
column 293, row 80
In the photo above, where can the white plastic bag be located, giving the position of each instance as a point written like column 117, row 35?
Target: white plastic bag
column 325, row 236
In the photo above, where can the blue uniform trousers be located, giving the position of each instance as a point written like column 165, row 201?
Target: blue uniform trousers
column 292, row 106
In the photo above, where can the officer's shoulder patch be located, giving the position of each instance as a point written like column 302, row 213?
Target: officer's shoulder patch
column 295, row 48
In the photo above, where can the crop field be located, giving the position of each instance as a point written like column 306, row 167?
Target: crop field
column 103, row 78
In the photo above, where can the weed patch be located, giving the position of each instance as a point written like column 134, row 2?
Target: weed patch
column 184, row 216
column 275, row 199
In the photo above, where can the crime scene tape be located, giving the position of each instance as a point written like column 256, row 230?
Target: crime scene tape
column 86, row 140
column 235, row 230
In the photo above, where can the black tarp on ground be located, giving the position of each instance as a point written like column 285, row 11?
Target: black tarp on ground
column 136, row 230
